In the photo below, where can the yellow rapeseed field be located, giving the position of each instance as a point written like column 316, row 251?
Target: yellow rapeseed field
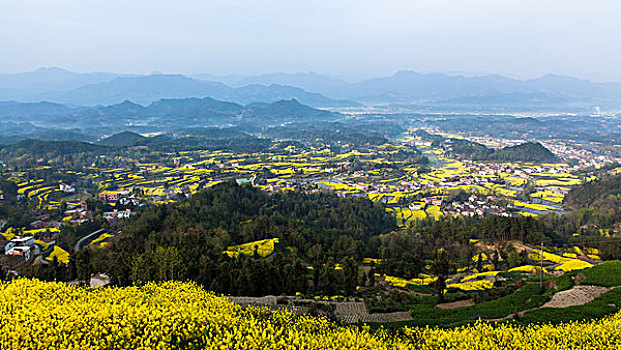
column 264, row 248
column 175, row 315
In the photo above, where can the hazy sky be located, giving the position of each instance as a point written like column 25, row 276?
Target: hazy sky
column 518, row 38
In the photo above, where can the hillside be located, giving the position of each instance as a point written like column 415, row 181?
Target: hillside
column 36, row 148
column 229, row 214
column 122, row 139
column 291, row 111
column 17, row 111
column 15, row 86
column 489, row 90
column 13, row 134
column 597, row 206
column 447, row 90
column 207, row 141
column 596, row 193
column 526, row 152
column 565, row 127
column 356, row 135
column 184, row 316
column 532, row 152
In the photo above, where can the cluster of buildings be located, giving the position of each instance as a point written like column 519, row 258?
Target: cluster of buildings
column 66, row 188
column 123, row 197
column 419, row 205
column 475, row 206
column 495, row 143
column 77, row 213
column 117, row 215
column 584, row 157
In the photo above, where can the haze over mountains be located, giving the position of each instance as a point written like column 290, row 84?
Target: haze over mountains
column 51, row 121
column 403, row 88
column 107, row 88
column 55, row 104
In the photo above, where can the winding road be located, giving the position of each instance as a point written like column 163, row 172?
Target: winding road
column 78, row 245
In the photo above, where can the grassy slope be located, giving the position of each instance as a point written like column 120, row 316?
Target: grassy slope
column 530, row 297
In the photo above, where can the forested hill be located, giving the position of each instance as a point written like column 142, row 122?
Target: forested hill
column 126, row 138
column 186, row 241
column 249, row 214
column 597, row 207
column 38, row 148
column 527, row 152
column 603, row 192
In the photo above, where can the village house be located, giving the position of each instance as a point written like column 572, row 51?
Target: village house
column 117, row 215
column 78, row 214
column 415, row 206
column 38, row 224
column 108, row 196
column 66, row 188
column 25, row 252
column 47, row 235
column 19, row 241
column 21, row 246
column 129, row 200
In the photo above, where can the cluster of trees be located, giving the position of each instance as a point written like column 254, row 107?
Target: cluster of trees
column 120, row 147
column 603, row 191
column 597, row 206
column 336, row 134
column 186, row 241
column 526, row 152
column 12, row 214
column 407, row 253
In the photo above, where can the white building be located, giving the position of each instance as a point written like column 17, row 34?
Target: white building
column 66, row 188
column 21, row 251
column 21, row 246
column 113, row 215
column 19, row 241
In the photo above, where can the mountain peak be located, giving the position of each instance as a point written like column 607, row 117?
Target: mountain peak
column 51, row 69
column 406, row 73
column 127, row 103
column 291, row 102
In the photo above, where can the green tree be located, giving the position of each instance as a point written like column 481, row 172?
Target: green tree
column 440, row 267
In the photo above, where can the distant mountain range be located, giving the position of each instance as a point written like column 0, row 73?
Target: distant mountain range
column 51, row 121
column 403, row 88
column 408, row 87
column 48, row 79
column 91, row 89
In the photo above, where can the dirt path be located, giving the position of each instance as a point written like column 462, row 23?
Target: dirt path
column 578, row 295
column 456, row 304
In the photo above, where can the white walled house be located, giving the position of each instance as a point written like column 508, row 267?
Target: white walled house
column 18, row 241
